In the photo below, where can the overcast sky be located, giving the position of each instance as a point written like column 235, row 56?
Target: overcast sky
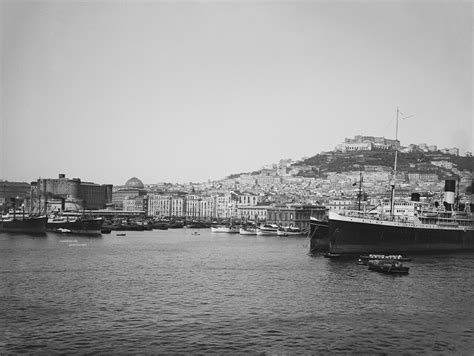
column 190, row 91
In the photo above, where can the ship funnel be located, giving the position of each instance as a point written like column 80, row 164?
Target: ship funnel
column 415, row 196
column 449, row 190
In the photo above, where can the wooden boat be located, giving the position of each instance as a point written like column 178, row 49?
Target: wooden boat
column 366, row 258
column 388, row 266
column 290, row 231
column 225, row 229
column 248, row 231
column 267, row 229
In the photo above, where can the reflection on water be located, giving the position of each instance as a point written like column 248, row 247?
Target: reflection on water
column 177, row 292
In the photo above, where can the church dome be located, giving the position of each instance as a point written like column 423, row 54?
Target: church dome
column 134, row 183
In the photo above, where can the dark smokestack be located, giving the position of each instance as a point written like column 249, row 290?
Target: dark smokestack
column 450, row 185
column 415, row 196
column 63, row 204
column 449, row 189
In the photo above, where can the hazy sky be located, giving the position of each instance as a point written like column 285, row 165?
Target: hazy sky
column 190, row 91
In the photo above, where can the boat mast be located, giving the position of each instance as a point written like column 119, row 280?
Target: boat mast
column 392, row 197
column 360, row 190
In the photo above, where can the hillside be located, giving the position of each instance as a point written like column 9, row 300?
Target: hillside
column 414, row 162
column 420, row 162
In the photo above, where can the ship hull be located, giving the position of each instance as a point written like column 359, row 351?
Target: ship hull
column 79, row 227
column 355, row 237
column 261, row 232
column 319, row 234
column 30, row 226
column 248, row 231
column 290, row 233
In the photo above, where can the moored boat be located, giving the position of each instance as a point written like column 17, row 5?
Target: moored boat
column 366, row 258
column 290, row 231
column 75, row 223
column 31, row 225
column 267, row 230
column 356, row 233
column 248, row 231
column 388, row 266
column 230, row 229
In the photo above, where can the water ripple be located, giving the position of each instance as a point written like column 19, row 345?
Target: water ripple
column 173, row 293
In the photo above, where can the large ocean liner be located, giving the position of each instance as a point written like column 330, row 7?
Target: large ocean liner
column 414, row 228
column 398, row 226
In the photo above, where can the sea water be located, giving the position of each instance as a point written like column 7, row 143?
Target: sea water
column 192, row 291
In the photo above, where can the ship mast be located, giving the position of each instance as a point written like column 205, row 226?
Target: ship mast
column 393, row 183
column 392, row 196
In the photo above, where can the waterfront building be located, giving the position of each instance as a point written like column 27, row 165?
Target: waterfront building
column 166, row 205
column 95, row 196
column 295, row 215
column 225, row 206
column 207, row 207
column 342, row 204
column 159, row 205
column 133, row 188
column 177, row 206
column 135, row 204
column 256, row 213
column 193, row 206
column 80, row 195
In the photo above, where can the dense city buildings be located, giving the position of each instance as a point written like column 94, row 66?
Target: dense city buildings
column 357, row 175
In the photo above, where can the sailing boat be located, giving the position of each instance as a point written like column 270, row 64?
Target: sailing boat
column 22, row 223
column 404, row 226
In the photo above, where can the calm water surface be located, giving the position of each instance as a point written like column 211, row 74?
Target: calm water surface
column 176, row 292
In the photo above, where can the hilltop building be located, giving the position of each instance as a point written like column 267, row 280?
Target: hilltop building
column 367, row 143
